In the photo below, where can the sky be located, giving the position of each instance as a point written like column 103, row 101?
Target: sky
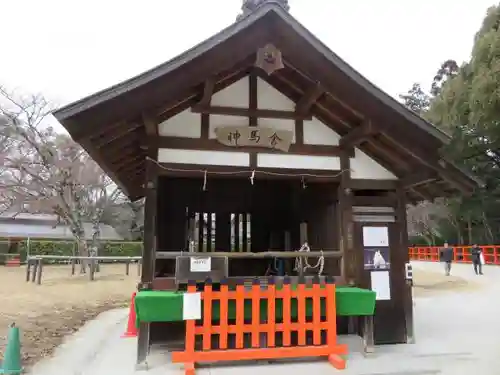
column 70, row 49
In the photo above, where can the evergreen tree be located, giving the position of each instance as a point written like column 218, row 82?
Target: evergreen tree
column 465, row 103
column 416, row 99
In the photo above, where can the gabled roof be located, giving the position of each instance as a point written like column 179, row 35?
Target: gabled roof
column 180, row 79
column 198, row 50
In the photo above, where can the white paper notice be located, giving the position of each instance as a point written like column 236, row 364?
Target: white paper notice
column 381, row 284
column 191, row 306
column 376, row 236
column 200, row 264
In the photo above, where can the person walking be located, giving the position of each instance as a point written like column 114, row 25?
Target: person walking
column 476, row 255
column 446, row 256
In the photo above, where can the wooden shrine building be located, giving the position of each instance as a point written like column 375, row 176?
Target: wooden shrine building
column 262, row 138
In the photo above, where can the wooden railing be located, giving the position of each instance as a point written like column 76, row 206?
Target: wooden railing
column 461, row 254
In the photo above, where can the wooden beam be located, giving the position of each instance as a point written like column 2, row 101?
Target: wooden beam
column 118, row 156
column 340, row 102
column 246, row 112
column 150, row 123
column 402, row 226
column 100, row 132
column 130, row 140
column 358, row 135
column 305, row 103
column 214, row 145
column 253, row 105
column 149, row 247
column 432, row 161
column 417, row 179
column 391, row 155
column 374, row 200
column 358, row 184
column 126, row 164
column 280, row 82
column 208, row 90
column 423, row 194
column 100, row 142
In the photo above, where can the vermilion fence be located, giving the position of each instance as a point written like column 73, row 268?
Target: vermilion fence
column 268, row 324
column 461, row 254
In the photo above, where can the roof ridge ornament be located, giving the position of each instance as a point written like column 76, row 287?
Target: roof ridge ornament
column 250, row 6
column 269, row 59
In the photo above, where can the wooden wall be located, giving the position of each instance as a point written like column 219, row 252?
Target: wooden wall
column 274, row 206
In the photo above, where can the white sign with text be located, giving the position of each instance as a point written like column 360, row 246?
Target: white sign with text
column 200, row 264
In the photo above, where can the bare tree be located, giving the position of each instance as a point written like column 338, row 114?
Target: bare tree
column 48, row 172
column 424, row 218
column 127, row 218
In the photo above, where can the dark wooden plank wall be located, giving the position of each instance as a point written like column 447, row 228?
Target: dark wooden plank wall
column 272, row 206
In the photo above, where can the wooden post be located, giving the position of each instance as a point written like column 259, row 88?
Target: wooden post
column 402, row 224
column 35, row 268
column 149, row 248
column 73, row 266
column 349, row 265
column 40, row 268
column 368, row 342
column 139, row 265
column 91, row 269
column 127, row 267
column 28, row 265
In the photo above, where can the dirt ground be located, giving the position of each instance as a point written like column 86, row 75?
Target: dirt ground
column 62, row 304
column 48, row 312
column 427, row 282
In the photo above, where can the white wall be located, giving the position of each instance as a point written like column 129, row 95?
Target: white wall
column 187, row 124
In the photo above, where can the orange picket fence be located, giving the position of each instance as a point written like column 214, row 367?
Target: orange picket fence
column 461, row 254
column 263, row 322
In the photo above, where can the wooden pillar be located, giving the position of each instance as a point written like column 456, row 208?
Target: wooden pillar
column 402, row 225
column 349, row 265
column 149, row 247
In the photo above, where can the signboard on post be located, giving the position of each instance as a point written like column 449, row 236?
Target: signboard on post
column 254, row 136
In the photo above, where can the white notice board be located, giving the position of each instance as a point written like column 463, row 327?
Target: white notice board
column 381, row 285
column 191, row 306
column 200, row 264
column 376, row 236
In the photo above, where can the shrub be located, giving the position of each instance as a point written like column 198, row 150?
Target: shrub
column 68, row 248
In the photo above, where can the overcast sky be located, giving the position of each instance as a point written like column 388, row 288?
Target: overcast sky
column 70, row 49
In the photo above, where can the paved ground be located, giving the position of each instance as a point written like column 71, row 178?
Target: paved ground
column 456, row 334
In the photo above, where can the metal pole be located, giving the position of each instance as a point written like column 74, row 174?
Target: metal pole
column 28, row 250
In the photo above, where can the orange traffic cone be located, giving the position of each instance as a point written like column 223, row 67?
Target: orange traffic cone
column 131, row 328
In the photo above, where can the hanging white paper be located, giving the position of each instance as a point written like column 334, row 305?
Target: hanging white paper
column 191, row 306
column 376, row 236
column 381, row 285
column 200, row 264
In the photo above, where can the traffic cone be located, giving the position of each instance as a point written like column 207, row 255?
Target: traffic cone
column 12, row 357
column 131, row 328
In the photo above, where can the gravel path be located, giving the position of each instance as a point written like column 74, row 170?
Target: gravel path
column 455, row 330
